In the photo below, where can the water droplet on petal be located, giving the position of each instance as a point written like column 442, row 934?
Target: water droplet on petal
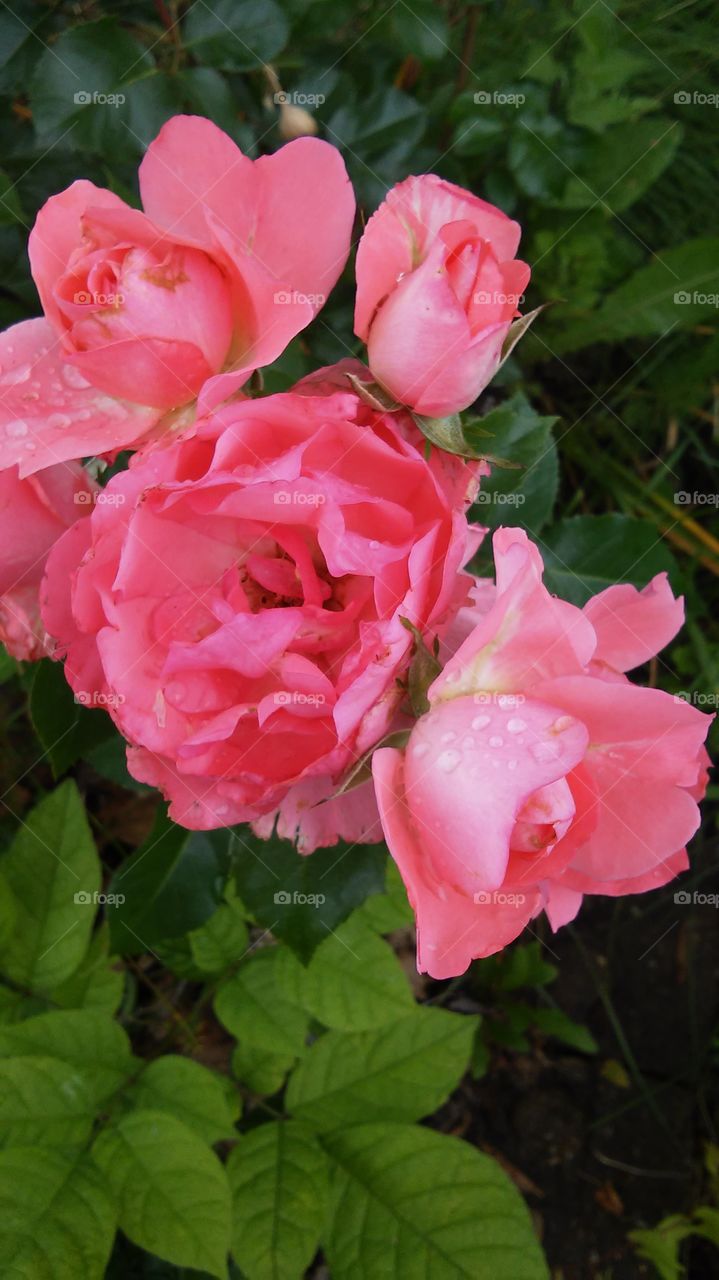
column 18, row 427
column 447, row 737
column 564, row 722
column 480, row 722
column 73, row 378
column 511, row 764
column 15, row 376
column 543, row 751
column 420, row 749
column 447, row 761
column 59, row 420
column 516, row 726
column 496, row 741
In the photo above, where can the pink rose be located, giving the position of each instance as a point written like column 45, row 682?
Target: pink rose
column 437, row 289
column 34, row 513
column 540, row 773
column 230, row 259
column 241, row 606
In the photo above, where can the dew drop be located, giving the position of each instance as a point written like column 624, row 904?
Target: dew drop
column 516, row 726
column 496, row 741
column 511, row 764
column 420, row 749
column 480, row 722
column 543, row 751
column 17, row 428
column 564, row 722
column 73, row 378
column 59, row 420
column 452, row 677
column 14, row 376
column 447, row 761
column 447, row 737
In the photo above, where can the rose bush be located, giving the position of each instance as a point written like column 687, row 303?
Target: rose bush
column 540, row 773
column 438, row 286
column 229, row 260
column 238, row 598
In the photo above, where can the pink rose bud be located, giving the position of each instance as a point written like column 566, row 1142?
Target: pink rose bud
column 144, row 311
column 438, row 286
column 540, row 773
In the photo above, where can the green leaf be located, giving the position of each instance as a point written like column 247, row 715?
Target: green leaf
column 221, row 940
column 53, row 872
column 586, row 554
column 95, row 984
column 235, row 35
column 278, row 1179
column 170, row 885
column 207, row 1103
column 67, row 730
column 660, row 1245
column 399, row 1072
column 57, row 1221
column 353, row 982
column 410, row 1202
column 679, row 287
column 522, row 497
column 255, row 1009
column 620, row 164
column 515, row 967
column 300, row 899
column 385, row 912
column 554, row 1022
column 90, row 1042
column 262, row 1071
column 171, row 1189
column 44, row 1101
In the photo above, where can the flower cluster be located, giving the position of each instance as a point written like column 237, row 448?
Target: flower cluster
column 249, row 597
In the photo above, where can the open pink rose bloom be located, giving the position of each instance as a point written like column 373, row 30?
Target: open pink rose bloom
column 250, row 596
